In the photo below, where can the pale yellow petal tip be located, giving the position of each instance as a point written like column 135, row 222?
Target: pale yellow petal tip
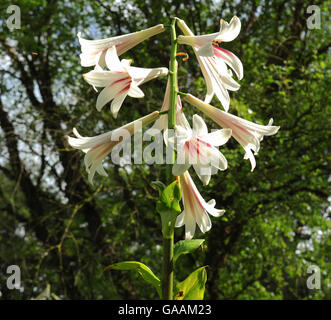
column 156, row 114
column 99, row 108
column 164, row 71
column 160, row 26
column 228, row 131
column 79, row 34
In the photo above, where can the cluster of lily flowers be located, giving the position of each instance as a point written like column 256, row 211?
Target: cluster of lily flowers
column 194, row 146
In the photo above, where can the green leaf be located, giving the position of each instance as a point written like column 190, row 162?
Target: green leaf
column 159, row 185
column 146, row 273
column 186, row 246
column 46, row 294
column 193, row 287
column 168, row 207
column 171, row 196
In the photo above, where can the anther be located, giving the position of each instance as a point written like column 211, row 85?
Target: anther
column 216, row 43
column 183, row 54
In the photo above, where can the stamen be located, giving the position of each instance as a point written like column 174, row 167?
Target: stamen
column 183, row 54
column 216, row 42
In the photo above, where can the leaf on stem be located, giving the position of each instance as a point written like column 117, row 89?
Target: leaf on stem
column 186, row 246
column 145, row 272
column 168, row 207
column 193, row 287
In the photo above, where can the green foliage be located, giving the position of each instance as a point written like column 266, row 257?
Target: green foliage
column 146, row 273
column 168, row 207
column 193, row 287
column 277, row 219
column 185, row 247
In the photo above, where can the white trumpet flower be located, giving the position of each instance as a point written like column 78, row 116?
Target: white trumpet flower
column 196, row 209
column 247, row 133
column 121, row 80
column 214, row 60
column 94, row 51
column 98, row 147
column 197, row 147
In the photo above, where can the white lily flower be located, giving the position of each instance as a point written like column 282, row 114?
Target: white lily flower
column 121, row 80
column 213, row 60
column 196, row 209
column 197, row 147
column 98, row 147
column 247, row 133
column 94, row 51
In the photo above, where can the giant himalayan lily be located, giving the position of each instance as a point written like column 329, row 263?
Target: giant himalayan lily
column 94, row 51
column 213, row 59
column 196, row 209
column 247, row 133
column 197, row 147
column 98, row 147
column 121, row 80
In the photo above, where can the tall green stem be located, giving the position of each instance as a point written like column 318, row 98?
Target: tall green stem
column 168, row 238
column 173, row 77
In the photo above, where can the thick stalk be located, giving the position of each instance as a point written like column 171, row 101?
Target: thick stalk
column 168, row 238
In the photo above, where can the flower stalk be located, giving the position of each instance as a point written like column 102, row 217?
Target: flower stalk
column 168, row 239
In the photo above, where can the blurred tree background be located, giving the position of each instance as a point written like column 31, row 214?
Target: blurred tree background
column 63, row 232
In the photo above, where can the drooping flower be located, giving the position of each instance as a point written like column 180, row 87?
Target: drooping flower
column 94, row 51
column 196, row 209
column 121, row 80
column 214, row 60
column 205, row 43
column 98, row 147
column 197, row 147
column 247, row 133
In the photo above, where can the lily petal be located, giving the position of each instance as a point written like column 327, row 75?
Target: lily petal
column 229, row 31
column 247, row 133
column 195, row 208
column 98, row 147
column 219, row 137
column 199, row 126
column 93, row 51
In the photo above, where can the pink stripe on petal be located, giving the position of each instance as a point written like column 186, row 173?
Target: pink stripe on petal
column 119, row 80
column 104, row 150
column 242, row 128
column 98, row 51
column 192, row 191
column 126, row 88
column 223, row 50
column 217, row 54
column 96, row 147
column 204, row 142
